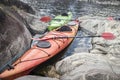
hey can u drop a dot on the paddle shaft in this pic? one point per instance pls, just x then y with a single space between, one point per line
48 18
65 19
62 37
109 18
74 37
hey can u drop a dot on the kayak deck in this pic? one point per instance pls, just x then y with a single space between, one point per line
37 55
59 20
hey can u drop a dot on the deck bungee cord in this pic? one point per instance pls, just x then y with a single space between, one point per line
8 65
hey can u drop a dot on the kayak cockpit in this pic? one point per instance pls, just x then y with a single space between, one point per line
43 44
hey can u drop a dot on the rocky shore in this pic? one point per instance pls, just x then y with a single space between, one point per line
101 62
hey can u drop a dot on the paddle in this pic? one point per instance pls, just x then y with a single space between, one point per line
106 35
45 19
113 18
48 18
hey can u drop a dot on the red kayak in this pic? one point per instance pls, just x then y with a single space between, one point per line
45 48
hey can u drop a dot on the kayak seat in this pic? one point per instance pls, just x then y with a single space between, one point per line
64 28
43 44
64 14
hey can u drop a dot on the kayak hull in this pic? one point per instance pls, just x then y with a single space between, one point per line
36 56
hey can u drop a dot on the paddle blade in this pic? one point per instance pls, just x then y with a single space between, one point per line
108 36
110 18
45 19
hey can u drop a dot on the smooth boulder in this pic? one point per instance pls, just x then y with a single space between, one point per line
15 38
102 61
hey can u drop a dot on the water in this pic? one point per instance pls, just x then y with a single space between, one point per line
79 45
103 8
77 7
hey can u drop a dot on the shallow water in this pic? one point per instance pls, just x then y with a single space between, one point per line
78 8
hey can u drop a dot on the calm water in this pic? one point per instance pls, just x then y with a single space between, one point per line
78 8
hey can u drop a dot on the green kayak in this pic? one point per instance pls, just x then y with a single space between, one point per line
59 20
